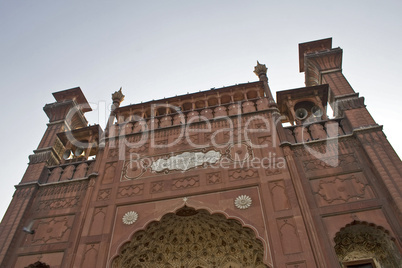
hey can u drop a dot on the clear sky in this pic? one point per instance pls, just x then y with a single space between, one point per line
156 49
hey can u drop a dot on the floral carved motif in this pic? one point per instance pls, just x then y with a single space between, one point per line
243 202
239 152
130 217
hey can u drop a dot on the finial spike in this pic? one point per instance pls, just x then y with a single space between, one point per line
260 69
118 96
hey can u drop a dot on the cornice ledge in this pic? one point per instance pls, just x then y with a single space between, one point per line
365 129
26 184
317 141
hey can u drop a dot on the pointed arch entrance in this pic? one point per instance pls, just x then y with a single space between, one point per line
366 244
192 238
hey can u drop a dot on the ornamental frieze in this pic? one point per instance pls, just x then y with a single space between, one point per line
138 167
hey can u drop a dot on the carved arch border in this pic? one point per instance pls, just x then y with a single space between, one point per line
196 205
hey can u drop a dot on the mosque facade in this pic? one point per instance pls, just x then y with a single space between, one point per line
227 177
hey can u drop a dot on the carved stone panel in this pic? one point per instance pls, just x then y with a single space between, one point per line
184 183
242 174
51 230
239 152
98 220
104 194
131 190
341 189
72 188
188 139
157 187
265 140
335 164
273 171
338 160
214 178
280 199
109 174
289 235
60 203
113 153
90 255
161 143
134 150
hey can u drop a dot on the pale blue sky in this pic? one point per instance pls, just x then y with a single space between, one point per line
156 49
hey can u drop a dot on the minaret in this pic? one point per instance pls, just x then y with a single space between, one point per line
67 113
322 64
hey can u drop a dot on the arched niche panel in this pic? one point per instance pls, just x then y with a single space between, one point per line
192 238
252 94
226 99
238 96
213 101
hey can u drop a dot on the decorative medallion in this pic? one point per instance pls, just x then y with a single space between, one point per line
243 202
130 217
240 152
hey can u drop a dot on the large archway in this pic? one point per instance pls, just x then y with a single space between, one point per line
366 244
192 238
